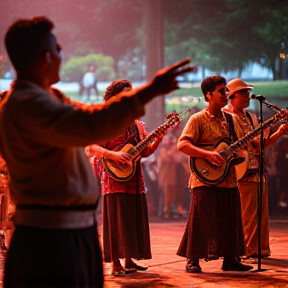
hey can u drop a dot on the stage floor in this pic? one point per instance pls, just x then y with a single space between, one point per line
166 269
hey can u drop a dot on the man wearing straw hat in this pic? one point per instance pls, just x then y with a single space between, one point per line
239 94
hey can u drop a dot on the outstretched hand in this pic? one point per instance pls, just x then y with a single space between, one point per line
165 80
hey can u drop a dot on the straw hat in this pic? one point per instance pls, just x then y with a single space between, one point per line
236 85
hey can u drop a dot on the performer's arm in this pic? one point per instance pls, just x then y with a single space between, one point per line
98 151
283 129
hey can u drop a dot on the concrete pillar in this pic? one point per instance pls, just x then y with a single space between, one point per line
155 111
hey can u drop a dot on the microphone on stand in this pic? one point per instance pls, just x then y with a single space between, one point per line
258 97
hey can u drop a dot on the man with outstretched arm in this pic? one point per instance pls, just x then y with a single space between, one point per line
42 139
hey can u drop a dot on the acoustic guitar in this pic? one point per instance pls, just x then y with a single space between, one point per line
124 171
232 153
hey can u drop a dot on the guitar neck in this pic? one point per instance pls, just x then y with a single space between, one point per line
238 145
135 151
141 146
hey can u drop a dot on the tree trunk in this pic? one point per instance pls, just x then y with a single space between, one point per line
273 65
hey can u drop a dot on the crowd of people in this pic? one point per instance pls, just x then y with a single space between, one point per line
45 138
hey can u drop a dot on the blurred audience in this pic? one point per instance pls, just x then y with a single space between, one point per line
276 167
150 173
171 181
183 193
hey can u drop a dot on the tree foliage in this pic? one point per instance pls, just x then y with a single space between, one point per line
219 34
118 22
228 34
74 69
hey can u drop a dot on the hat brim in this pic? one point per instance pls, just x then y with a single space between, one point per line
231 92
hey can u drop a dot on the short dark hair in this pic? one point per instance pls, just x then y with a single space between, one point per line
26 40
116 87
209 84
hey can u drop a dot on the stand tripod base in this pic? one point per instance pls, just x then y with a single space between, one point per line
261 270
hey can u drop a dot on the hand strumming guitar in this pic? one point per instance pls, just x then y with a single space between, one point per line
216 159
119 156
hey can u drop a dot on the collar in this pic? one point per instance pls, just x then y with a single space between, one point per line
211 116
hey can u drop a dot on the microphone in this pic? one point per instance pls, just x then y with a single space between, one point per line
258 97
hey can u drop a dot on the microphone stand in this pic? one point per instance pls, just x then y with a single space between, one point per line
260 189
262 100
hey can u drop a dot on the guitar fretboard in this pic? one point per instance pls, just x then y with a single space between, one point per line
139 148
235 147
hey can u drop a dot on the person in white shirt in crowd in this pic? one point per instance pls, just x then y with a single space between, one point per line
89 82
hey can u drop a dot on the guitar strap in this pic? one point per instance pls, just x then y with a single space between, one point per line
250 119
232 134
253 167
135 131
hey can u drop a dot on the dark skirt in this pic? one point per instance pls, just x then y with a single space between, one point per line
54 258
125 227
214 227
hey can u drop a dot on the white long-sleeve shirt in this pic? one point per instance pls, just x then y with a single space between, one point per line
42 141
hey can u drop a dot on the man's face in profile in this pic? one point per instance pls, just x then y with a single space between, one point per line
53 56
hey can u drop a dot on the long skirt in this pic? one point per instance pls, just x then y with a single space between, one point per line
214 226
54 258
125 227
249 206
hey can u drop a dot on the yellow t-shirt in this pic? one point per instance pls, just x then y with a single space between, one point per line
205 131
